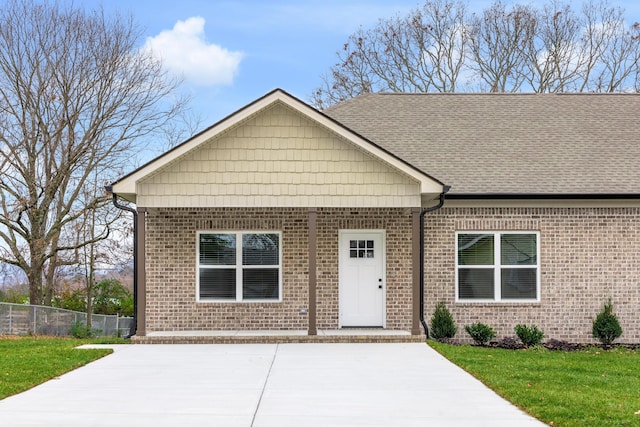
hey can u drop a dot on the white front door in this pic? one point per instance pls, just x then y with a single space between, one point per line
362 278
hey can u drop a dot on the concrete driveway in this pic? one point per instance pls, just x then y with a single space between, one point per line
264 385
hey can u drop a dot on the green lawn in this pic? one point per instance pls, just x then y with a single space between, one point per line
28 361
582 388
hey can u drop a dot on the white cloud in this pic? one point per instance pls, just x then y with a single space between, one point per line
185 51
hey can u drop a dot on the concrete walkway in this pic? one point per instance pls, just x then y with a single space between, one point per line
261 385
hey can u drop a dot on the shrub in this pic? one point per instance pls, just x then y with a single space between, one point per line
442 324
480 333
606 327
111 297
70 299
15 295
529 335
80 330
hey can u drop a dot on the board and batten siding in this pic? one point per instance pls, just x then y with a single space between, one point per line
278 158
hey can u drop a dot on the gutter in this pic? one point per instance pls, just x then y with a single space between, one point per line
114 199
544 196
445 189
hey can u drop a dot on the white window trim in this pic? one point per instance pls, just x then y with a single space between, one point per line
238 266
497 267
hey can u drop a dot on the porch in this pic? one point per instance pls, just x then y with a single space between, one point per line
351 335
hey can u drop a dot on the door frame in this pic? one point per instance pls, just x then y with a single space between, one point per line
383 238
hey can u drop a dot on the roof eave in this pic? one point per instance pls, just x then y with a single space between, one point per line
542 196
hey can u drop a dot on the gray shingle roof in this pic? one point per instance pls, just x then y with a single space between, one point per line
508 143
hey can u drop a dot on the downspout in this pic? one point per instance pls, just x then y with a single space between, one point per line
114 198
445 189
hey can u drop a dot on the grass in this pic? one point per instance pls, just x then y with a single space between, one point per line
564 389
28 361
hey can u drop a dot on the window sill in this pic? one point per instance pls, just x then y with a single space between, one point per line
225 301
502 302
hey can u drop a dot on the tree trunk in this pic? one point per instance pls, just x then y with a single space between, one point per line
90 280
34 276
50 276
89 301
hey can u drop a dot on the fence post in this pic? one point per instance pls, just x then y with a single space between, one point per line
10 319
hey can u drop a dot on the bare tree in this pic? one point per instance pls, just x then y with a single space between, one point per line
618 47
185 124
555 54
422 52
514 48
496 46
88 233
75 95
592 50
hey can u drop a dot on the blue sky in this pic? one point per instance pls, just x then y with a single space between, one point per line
279 43
236 51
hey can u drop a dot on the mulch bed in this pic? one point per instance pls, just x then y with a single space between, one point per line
511 343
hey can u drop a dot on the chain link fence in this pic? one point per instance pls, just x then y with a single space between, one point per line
24 319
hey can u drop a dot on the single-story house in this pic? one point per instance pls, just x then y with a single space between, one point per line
510 208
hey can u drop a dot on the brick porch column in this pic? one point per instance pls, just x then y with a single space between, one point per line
313 214
141 293
415 267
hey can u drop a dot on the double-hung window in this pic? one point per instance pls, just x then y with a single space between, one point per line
239 266
497 266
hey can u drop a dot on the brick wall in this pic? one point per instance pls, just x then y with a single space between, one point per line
171 267
587 255
397 226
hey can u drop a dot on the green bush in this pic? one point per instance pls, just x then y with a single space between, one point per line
442 324
111 297
70 299
529 335
15 295
480 333
606 327
80 330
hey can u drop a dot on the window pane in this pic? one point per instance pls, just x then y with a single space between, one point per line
519 283
260 283
260 249
219 283
476 283
518 249
475 249
218 249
